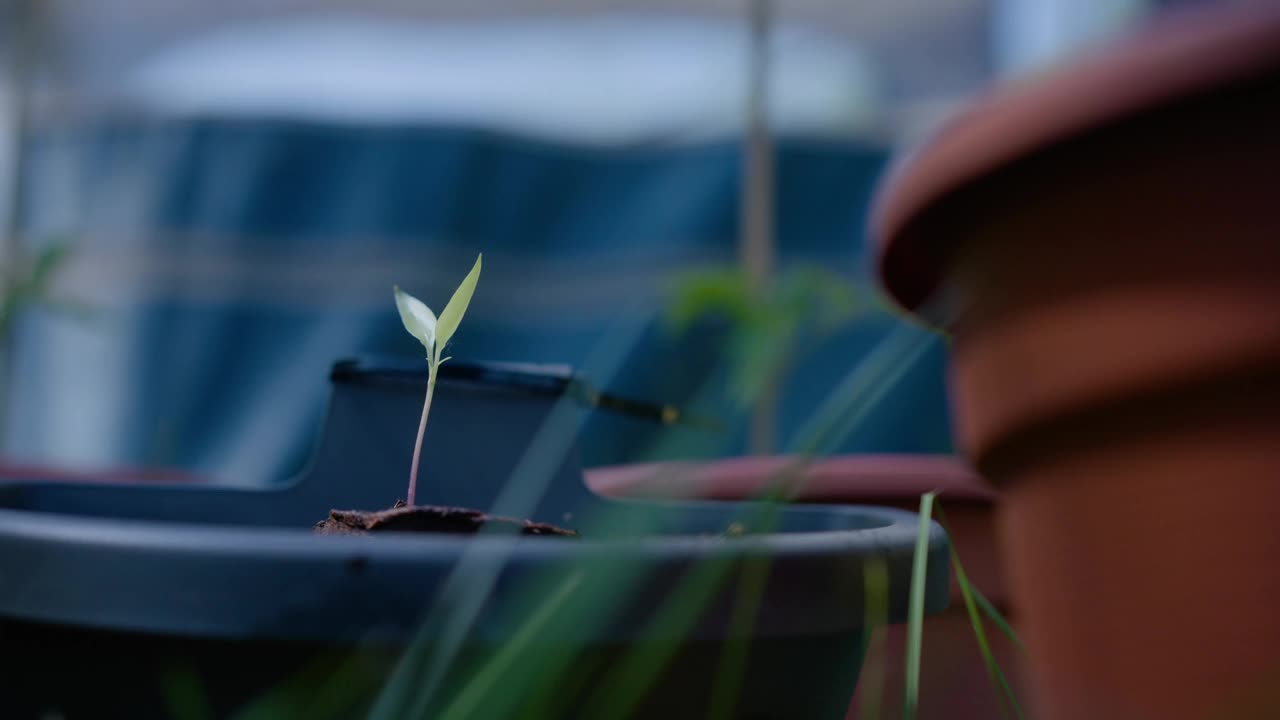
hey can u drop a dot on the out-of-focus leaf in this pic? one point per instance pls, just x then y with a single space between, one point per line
73 309
185 695
723 292
417 318
29 281
42 270
453 311
760 354
820 298
767 323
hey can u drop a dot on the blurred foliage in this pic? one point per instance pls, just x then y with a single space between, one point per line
765 324
28 282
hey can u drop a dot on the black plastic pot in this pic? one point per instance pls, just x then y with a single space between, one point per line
135 601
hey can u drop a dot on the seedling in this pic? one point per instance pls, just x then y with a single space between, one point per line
434 334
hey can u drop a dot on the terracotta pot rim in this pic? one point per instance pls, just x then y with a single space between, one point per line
1181 55
881 478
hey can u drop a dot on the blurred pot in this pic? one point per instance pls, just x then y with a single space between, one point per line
1102 243
147 597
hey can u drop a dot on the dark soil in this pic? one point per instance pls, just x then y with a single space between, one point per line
426 519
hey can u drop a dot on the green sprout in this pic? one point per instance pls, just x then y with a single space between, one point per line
434 333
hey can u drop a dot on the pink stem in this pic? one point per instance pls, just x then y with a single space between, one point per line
422 429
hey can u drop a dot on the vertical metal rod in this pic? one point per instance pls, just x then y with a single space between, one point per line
755 249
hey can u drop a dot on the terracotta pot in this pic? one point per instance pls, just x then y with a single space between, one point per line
1103 243
953 683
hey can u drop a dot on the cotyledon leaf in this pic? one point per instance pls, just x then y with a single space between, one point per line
451 316
417 318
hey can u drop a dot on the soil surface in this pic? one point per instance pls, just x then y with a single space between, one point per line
426 519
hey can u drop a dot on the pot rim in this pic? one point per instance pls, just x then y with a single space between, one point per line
1179 55
859 478
245 582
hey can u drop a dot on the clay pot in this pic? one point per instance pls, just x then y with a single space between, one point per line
1103 243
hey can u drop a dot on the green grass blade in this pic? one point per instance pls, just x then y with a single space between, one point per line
728 682
487 679
325 687
185 696
624 688
875 582
915 609
996 617
993 668
861 390
972 602
852 388
552 675
557 680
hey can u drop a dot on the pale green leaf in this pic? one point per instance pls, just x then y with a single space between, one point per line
417 318
915 607
451 316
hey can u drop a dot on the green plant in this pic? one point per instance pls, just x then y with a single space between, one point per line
434 333
555 615
975 604
606 582
764 323
915 608
762 339
27 282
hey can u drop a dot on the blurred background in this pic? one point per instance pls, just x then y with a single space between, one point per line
206 204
